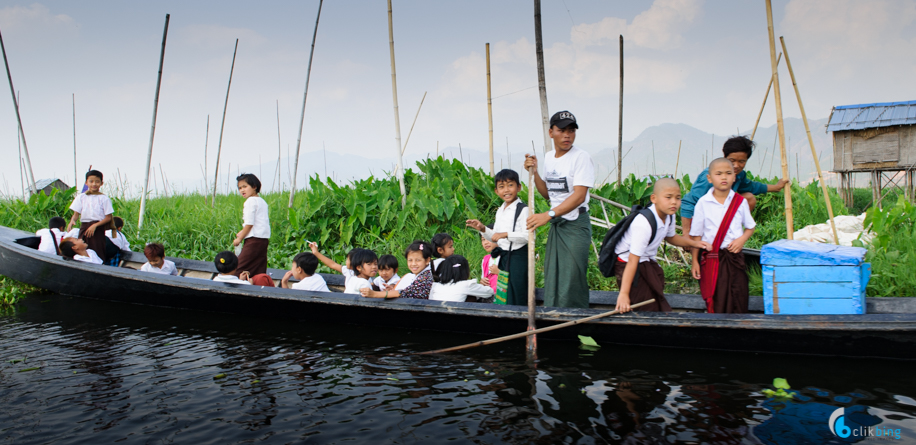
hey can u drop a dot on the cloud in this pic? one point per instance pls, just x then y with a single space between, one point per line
35 25
660 27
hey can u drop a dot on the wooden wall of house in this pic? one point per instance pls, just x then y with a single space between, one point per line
874 148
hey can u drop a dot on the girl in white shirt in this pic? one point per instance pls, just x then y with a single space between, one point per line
365 266
443 247
453 283
77 249
227 265
255 232
156 262
52 236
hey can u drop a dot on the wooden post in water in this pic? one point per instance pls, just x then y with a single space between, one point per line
152 132
490 111
620 121
25 146
531 343
397 117
219 147
74 141
542 82
292 190
790 227
765 96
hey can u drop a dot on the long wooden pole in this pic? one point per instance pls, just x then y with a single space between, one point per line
397 117
531 346
765 96
542 81
206 143
790 227
75 177
25 146
152 132
620 121
292 190
678 161
490 112
532 333
817 163
407 141
219 147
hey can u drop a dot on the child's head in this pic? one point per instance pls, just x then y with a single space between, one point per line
485 242
738 149
387 266
249 185
69 247
57 223
304 265
94 180
454 269
364 262
443 245
507 185
226 262
155 254
418 254
563 128
666 195
721 174
117 222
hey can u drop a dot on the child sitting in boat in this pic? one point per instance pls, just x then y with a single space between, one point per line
415 284
723 219
52 236
303 269
443 247
453 283
77 249
489 266
93 209
365 266
156 262
255 231
116 236
227 264
344 270
387 277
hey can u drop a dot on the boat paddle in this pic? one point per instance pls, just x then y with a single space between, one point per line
533 332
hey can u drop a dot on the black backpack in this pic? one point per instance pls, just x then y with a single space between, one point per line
607 256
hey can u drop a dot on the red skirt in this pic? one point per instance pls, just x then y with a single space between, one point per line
731 294
649 283
253 258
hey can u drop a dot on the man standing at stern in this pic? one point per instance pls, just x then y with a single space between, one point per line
568 175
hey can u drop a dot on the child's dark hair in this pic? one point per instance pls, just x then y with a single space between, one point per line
95 173
439 241
388 262
506 174
423 247
57 223
66 249
117 222
251 180
737 144
226 262
361 257
452 270
307 261
155 250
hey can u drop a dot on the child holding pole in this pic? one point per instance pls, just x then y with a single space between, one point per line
93 210
255 232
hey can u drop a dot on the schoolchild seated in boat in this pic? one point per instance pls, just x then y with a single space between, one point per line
116 235
415 284
365 266
443 247
156 262
227 264
344 269
303 269
387 277
638 274
52 236
452 282
77 249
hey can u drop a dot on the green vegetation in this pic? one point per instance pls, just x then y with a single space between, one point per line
892 253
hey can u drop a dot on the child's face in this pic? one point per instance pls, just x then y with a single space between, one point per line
416 263
721 176
78 244
386 274
156 261
368 270
297 271
668 200
448 250
739 159
563 138
487 244
94 183
246 190
507 190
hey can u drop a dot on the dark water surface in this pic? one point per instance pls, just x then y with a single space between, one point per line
111 372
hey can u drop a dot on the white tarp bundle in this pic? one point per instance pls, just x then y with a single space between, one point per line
848 228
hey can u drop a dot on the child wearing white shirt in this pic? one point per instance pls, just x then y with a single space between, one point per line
77 249
387 277
344 270
453 283
443 247
93 209
116 236
227 264
303 269
156 262
365 266
52 236
255 232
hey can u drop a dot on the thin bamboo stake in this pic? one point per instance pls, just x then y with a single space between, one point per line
74 138
279 154
817 163
542 82
152 132
620 121
292 190
779 123
25 197
490 111
534 332
531 345
765 96
25 146
219 148
678 161
397 118
407 141
206 142
165 185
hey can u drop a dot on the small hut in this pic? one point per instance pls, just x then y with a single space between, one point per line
46 185
877 139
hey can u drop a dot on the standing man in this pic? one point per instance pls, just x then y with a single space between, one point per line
568 175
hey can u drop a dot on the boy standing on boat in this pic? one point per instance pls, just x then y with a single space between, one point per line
93 209
255 232
568 175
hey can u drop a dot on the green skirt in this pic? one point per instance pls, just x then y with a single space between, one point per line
516 263
566 262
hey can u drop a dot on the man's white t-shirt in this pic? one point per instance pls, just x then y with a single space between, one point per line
563 173
313 283
636 239
256 214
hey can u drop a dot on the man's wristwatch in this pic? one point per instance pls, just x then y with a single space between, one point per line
551 213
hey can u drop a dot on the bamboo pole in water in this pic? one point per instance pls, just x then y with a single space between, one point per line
490 111
206 142
531 346
292 189
542 82
620 121
219 147
397 118
25 146
74 139
765 96
407 141
779 123
152 133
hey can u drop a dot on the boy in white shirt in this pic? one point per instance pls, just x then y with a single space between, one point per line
156 262
637 248
52 236
303 269
387 277
255 231
343 269
77 249
115 234
93 209
723 219
510 234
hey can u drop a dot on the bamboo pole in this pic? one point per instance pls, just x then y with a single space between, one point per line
279 153
765 96
206 143
152 132
25 146
779 124
620 121
292 190
219 147
531 345
542 81
817 163
490 111
397 118
407 141
678 161
74 139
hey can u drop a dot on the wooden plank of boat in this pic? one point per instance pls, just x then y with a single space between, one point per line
889 330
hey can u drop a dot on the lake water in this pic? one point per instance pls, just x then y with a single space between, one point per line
111 372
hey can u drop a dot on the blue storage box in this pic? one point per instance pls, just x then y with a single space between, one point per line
801 277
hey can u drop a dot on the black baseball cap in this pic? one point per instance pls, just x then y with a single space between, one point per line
563 119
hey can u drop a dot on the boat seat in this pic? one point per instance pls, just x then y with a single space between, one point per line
197 274
131 265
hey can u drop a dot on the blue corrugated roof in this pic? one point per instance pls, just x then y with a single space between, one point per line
858 117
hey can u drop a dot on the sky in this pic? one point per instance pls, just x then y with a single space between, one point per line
701 63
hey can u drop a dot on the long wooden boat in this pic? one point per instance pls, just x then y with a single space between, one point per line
888 330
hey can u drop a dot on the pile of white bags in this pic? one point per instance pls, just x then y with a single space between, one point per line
848 228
